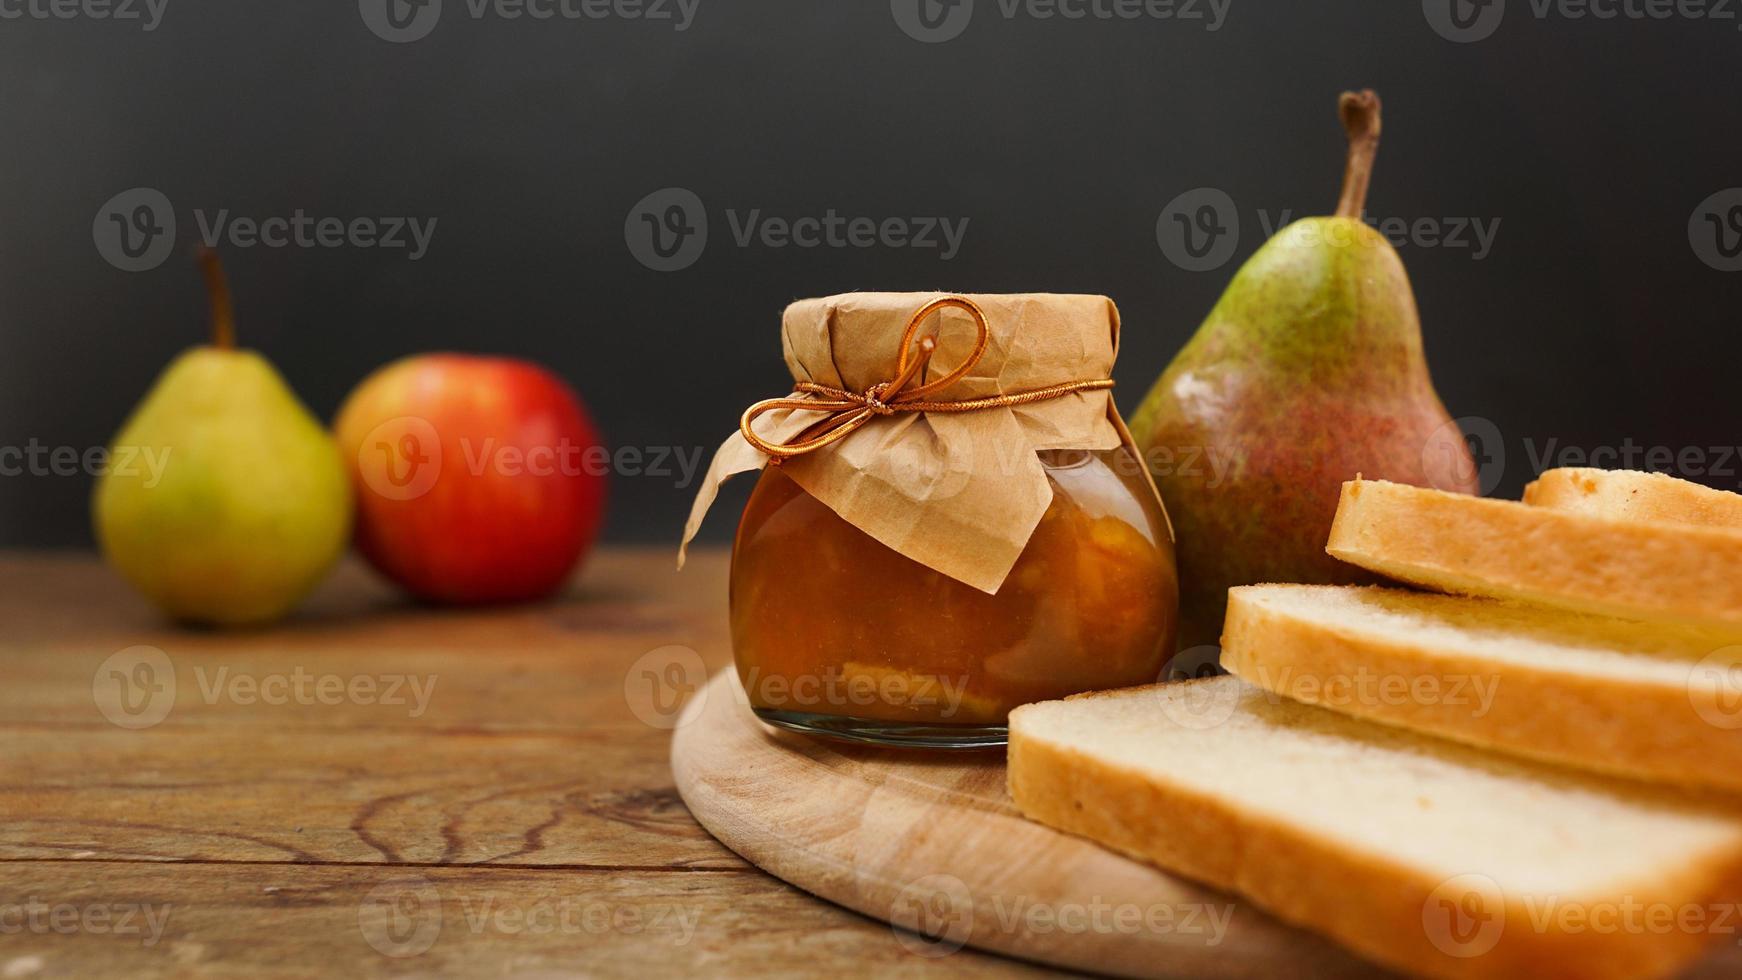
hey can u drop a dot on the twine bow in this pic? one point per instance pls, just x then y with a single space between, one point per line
848 411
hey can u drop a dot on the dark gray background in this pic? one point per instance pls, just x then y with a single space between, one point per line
1592 321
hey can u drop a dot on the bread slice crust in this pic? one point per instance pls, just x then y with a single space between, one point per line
1511 550
1632 699
1375 904
1632 495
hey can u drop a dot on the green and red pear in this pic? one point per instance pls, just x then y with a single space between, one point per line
1308 371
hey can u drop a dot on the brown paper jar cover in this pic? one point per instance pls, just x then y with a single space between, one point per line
960 493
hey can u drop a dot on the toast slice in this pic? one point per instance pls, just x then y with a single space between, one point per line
1630 495
1654 701
1509 550
1421 854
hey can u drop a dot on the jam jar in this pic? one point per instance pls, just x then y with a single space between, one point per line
951 520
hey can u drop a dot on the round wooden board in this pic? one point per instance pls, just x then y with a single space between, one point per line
932 840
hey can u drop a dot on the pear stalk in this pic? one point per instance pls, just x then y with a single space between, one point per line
218 294
1360 112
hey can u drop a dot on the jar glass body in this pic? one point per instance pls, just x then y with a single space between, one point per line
835 633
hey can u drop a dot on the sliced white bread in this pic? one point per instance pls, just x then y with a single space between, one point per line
1421 854
1510 550
1630 495
1654 701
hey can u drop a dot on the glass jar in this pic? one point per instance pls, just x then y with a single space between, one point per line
951 519
835 633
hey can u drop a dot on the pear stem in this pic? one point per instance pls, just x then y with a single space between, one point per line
218 293
1360 112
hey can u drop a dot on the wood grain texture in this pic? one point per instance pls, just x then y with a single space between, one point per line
529 803
314 921
932 840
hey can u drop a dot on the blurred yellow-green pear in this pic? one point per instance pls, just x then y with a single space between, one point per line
246 504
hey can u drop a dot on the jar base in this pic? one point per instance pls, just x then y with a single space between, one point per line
896 734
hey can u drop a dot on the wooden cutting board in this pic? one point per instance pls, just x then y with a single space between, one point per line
932 841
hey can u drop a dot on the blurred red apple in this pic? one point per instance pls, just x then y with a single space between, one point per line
478 479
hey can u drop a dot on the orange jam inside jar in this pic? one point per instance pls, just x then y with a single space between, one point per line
835 633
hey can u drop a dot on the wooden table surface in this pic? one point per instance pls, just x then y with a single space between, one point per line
380 789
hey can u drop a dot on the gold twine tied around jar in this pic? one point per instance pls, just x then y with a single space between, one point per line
849 411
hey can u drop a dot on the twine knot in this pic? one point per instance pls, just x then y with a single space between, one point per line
874 399
847 411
